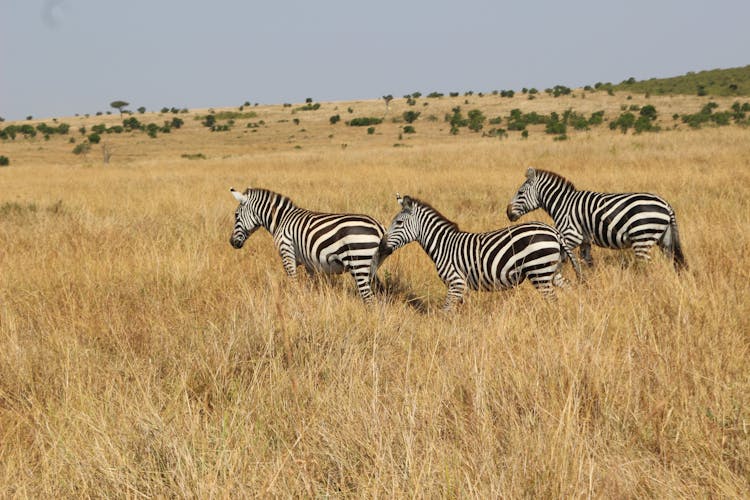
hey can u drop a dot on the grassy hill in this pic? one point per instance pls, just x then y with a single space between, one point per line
715 82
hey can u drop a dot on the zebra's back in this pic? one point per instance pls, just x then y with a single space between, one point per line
333 243
506 257
618 220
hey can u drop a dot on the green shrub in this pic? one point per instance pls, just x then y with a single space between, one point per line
94 138
82 148
4 161
476 120
152 129
649 112
555 126
496 132
370 130
409 129
132 123
644 124
456 120
209 121
597 118
411 116
193 156
334 119
308 107
365 121
623 122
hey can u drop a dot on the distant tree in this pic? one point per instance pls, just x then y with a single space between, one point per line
118 105
387 98
142 109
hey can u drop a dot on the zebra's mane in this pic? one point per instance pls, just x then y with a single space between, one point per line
268 193
557 177
436 212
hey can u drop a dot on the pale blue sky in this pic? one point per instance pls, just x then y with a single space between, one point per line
61 57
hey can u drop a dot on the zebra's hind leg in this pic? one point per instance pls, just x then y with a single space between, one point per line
642 249
363 285
559 280
544 283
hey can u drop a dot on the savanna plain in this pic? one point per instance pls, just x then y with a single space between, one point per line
141 355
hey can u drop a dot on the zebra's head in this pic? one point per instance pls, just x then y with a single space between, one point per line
404 228
246 219
526 199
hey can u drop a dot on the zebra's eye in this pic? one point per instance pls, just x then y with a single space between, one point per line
399 223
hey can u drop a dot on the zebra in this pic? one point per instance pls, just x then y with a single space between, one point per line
326 243
609 220
488 261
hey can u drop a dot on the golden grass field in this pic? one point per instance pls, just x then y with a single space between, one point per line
141 355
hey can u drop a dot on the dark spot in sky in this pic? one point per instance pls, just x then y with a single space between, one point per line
52 13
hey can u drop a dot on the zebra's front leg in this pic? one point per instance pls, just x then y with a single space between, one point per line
585 252
289 261
456 290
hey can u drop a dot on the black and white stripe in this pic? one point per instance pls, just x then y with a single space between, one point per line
323 243
610 220
480 261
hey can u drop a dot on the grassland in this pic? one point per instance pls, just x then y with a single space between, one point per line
140 355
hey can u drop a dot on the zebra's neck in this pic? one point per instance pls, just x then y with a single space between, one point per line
274 209
554 195
434 230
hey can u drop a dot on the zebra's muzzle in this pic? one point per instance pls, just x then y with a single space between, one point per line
511 214
236 242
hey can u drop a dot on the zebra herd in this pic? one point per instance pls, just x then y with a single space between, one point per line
495 260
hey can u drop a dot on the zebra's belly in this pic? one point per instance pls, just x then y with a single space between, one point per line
496 283
332 266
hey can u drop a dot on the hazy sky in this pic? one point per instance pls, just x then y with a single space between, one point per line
61 57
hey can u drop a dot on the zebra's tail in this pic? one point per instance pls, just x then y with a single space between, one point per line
573 260
670 244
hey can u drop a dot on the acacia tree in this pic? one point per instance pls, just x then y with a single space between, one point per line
387 98
118 105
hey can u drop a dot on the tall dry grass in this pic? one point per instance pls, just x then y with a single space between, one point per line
140 355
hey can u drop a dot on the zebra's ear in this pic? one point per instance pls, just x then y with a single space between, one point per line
530 173
238 196
399 199
406 203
